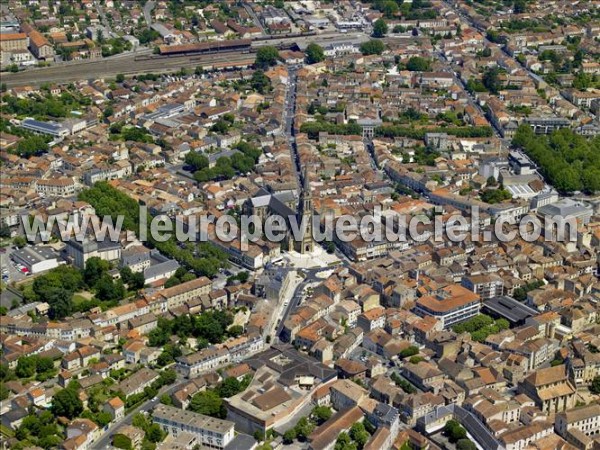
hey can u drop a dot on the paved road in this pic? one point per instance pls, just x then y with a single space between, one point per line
255 18
105 441
148 7
105 21
310 278
8 266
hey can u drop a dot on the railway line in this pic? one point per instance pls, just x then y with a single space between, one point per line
207 56
127 66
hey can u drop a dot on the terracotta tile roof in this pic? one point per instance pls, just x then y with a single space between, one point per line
12 36
38 39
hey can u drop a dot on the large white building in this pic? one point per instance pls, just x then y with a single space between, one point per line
211 432
203 360
579 426
451 305
36 259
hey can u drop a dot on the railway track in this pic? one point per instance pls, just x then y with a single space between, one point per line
127 66
136 63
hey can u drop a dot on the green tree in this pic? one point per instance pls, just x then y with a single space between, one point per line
19 241
418 64
582 81
409 351
60 301
229 387
303 429
66 403
266 56
31 145
135 280
520 6
208 403
43 364
344 442
390 9
122 441
289 436
416 359
359 434
372 47
491 80
140 421
321 414
95 268
314 53
595 386
260 82
165 399
120 78
454 431
380 28
465 444
26 367
196 160
155 433
235 330
108 289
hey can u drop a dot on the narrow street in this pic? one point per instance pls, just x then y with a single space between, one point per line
255 18
105 21
288 123
148 7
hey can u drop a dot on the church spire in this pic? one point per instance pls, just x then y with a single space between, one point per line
305 182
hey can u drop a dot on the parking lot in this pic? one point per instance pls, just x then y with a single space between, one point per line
10 271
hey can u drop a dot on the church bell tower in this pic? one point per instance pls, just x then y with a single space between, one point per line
305 216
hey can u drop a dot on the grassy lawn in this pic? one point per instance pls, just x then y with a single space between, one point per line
80 297
6 431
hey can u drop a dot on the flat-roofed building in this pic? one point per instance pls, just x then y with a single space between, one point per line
36 259
81 251
451 305
283 385
486 286
567 208
212 432
503 307
51 128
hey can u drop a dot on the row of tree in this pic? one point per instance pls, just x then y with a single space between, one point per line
568 161
419 133
481 326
